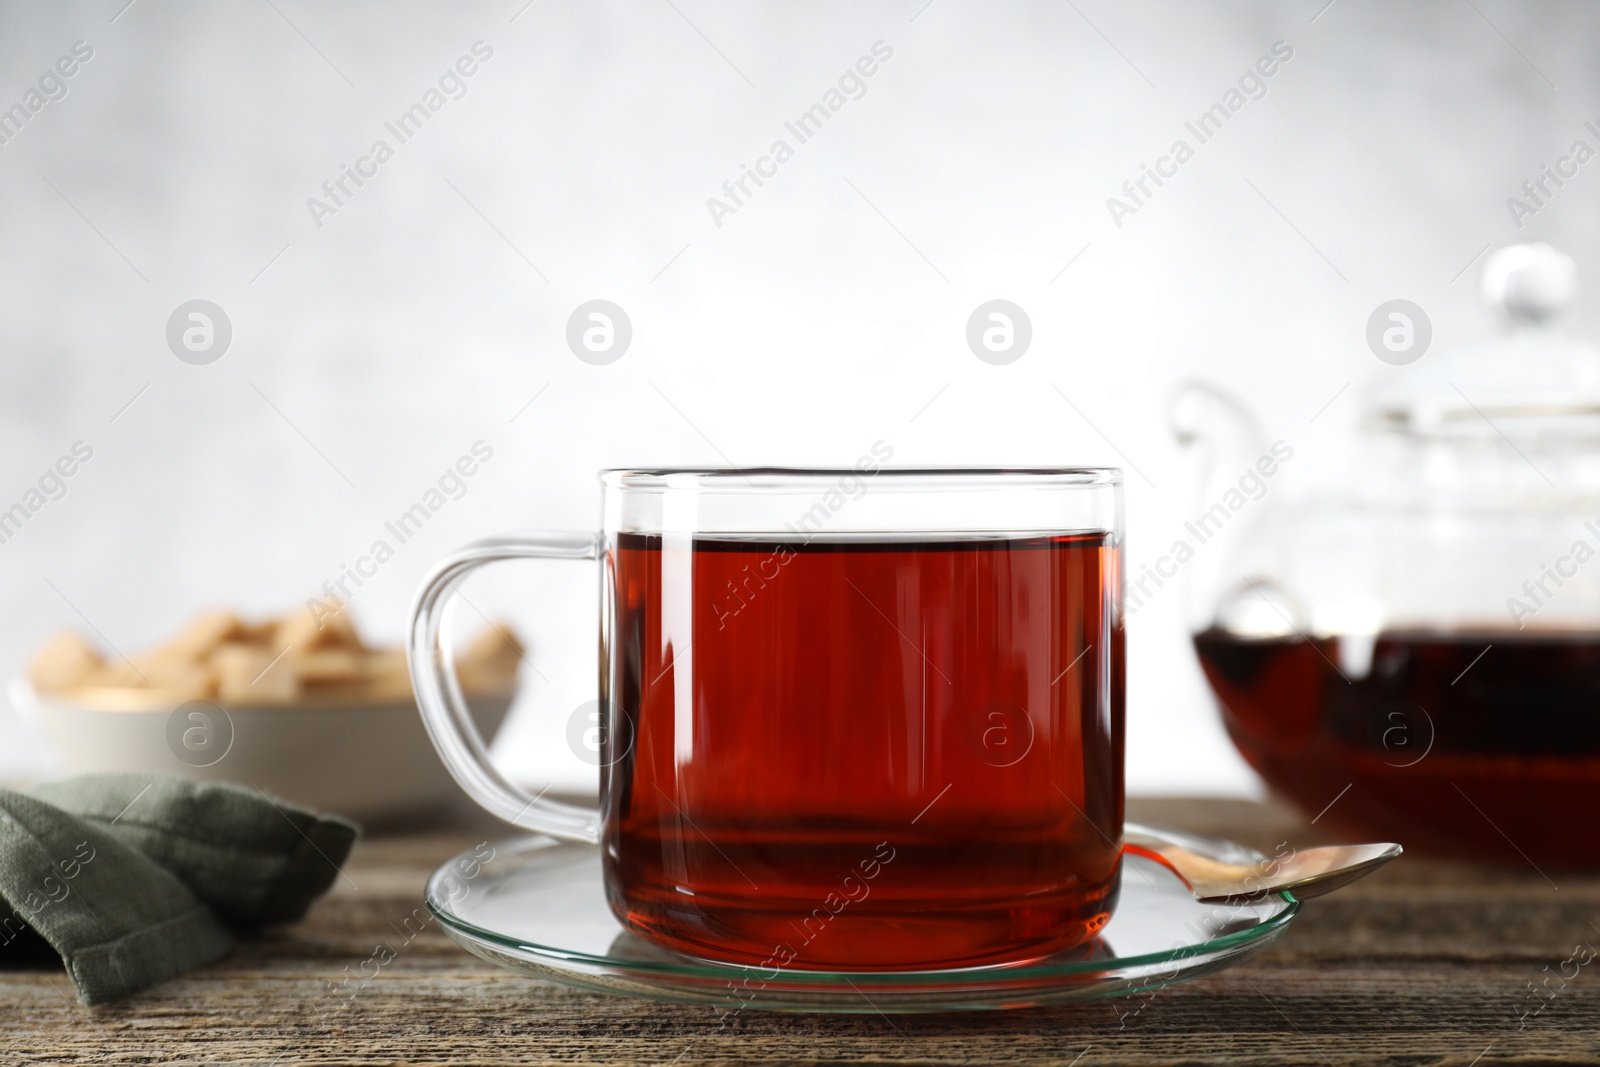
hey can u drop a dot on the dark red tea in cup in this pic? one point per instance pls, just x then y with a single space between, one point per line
873 752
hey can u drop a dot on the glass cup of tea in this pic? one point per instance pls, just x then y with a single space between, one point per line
865 718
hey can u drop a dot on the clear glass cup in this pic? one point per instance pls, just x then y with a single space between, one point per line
864 718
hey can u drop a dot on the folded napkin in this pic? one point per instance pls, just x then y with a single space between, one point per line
136 878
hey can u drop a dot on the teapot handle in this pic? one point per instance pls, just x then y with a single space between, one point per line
1209 416
1236 530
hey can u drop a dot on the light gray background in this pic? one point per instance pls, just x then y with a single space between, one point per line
821 317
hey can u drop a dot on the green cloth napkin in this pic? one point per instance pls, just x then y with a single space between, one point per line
253 859
133 879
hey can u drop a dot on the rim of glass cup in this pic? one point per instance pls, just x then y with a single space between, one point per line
745 479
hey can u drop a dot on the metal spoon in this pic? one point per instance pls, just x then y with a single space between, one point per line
1220 873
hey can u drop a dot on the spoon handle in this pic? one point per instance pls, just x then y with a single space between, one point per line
1218 871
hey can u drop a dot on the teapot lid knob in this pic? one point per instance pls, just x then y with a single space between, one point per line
1529 283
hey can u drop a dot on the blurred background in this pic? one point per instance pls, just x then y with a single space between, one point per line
377 337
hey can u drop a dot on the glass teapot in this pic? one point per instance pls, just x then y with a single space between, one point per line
1417 656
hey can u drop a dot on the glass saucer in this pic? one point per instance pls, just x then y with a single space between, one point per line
538 907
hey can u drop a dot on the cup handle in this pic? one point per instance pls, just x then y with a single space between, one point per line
444 709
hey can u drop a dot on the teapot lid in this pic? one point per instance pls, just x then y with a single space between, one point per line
1530 381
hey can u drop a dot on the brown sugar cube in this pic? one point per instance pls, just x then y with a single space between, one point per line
183 678
490 661
496 648
296 629
339 631
259 633
66 661
204 633
197 684
387 676
330 667
247 674
120 674
331 626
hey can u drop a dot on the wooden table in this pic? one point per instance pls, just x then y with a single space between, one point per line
1423 963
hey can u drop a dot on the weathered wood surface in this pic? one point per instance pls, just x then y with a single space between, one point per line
1423 963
